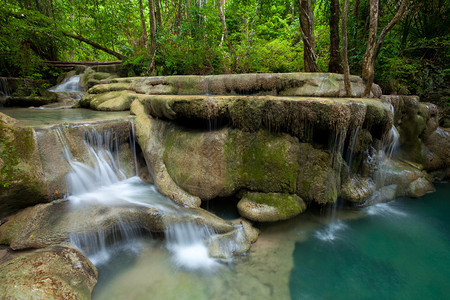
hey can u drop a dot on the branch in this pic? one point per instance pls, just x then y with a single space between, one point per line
95 45
389 26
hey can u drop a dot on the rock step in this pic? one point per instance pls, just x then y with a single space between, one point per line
276 113
279 84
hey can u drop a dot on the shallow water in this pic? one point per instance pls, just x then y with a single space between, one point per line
398 250
42 117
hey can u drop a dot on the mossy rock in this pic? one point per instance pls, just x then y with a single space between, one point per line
317 180
59 272
21 176
109 101
108 87
270 207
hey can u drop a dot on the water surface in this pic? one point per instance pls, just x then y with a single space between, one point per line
398 250
42 117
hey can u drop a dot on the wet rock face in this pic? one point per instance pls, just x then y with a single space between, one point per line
32 162
421 140
21 175
188 162
60 272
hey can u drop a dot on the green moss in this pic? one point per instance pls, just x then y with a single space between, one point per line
247 113
286 204
262 161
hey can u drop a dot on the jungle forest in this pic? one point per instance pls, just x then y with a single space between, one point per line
401 45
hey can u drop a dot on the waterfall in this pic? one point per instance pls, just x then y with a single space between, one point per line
99 247
69 85
187 243
382 159
102 148
4 88
103 183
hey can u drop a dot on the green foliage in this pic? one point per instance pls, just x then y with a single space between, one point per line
264 37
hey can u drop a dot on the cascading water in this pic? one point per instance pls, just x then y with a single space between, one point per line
187 242
382 159
103 183
337 150
4 87
69 85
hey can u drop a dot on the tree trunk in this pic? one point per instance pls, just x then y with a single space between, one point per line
374 46
368 66
95 45
158 12
144 28
151 12
307 31
225 33
334 65
348 87
152 18
178 17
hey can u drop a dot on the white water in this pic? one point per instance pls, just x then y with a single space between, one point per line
103 183
384 209
187 243
69 85
331 231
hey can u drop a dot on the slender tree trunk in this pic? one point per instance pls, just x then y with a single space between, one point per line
152 18
151 12
356 13
368 67
178 17
158 12
374 46
144 28
225 33
348 87
334 65
307 31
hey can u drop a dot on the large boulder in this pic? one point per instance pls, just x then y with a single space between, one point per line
21 175
270 207
58 272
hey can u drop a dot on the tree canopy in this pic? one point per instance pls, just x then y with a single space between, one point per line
226 36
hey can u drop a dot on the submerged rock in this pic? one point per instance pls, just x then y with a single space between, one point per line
58 272
270 207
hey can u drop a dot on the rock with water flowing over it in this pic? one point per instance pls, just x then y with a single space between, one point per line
58 272
270 207
218 163
411 181
51 224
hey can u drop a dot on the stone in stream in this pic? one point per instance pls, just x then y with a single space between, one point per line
58 272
